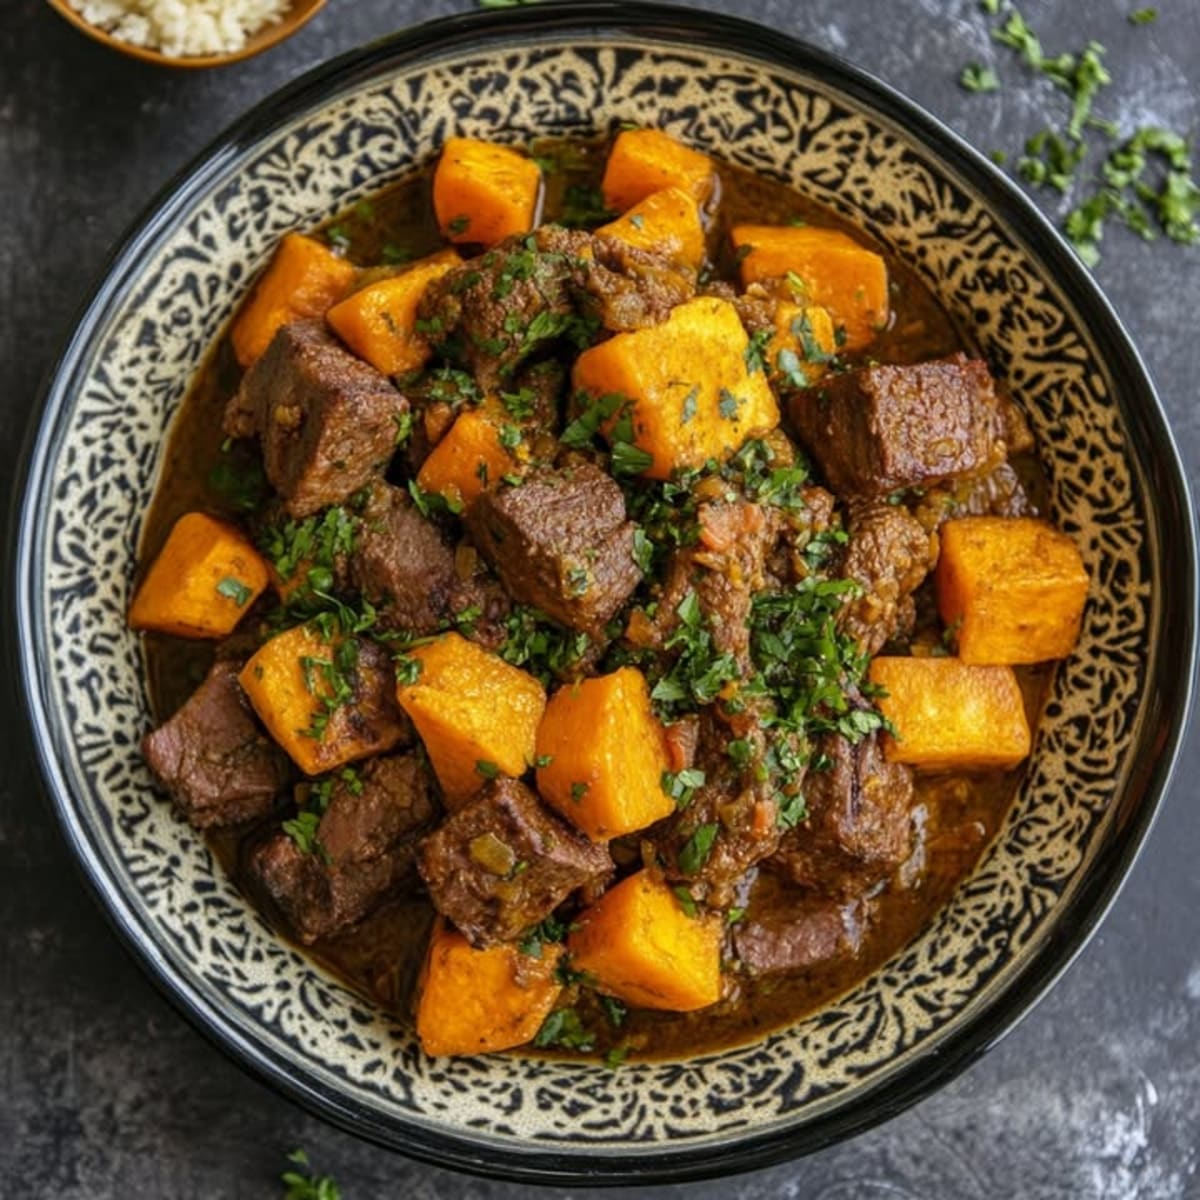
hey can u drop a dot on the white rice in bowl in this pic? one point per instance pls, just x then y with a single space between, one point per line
183 28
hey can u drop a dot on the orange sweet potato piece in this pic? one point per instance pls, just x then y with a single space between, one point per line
607 754
478 1001
1013 589
640 946
951 716
203 581
483 193
303 280
470 708
804 340
378 322
643 161
692 393
838 274
469 459
666 223
325 702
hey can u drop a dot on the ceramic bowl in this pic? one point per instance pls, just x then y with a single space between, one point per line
1103 750
297 16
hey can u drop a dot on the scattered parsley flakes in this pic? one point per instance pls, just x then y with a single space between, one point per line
688 409
686 901
628 459
1143 16
564 1028
308 1186
486 768
579 790
681 785
235 590
977 78
697 848
458 225
643 551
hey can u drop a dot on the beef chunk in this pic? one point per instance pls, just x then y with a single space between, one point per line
495 310
627 288
889 553
999 493
326 419
724 570
799 935
560 541
742 810
859 826
363 851
212 756
405 566
882 428
504 862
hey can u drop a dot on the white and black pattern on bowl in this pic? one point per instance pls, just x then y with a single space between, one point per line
112 406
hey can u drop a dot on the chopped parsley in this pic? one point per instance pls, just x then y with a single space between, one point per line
579 790
699 671
643 551
486 768
688 409
458 225
686 901
550 930
755 353
235 590
696 850
978 78
541 646
1054 157
583 206
564 1028
728 404
681 785
309 1186
628 459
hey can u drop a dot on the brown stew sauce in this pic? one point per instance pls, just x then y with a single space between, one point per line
381 957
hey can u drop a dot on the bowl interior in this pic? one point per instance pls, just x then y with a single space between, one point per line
744 94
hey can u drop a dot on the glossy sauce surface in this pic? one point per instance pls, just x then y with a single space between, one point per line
381 957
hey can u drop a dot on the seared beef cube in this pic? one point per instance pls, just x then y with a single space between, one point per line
326 419
628 288
504 862
725 570
214 758
999 493
789 937
882 428
404 565
560 541
859 825
743 810
363 851
495 310
889 554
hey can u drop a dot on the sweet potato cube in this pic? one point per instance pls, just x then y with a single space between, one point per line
469 459
1012 588
203 581
644 161
303 280
483 193
838 274
666 223
691 393
639 945
379 322
476 714
803 342
325 702
950 716
479 1001
607 753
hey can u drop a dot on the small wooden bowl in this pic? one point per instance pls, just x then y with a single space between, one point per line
300 13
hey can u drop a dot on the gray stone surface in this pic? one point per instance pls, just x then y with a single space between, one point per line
107 1093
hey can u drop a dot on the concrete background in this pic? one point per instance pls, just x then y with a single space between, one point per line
105 1092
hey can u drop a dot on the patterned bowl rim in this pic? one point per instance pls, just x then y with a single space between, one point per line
1170 525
